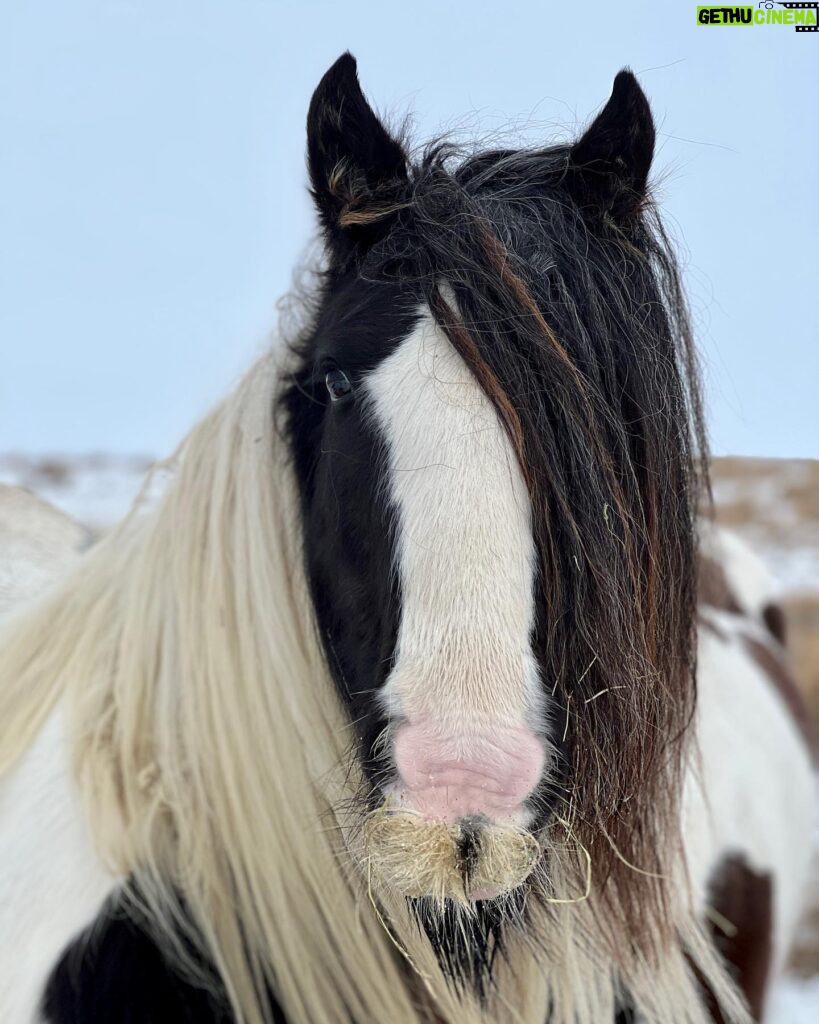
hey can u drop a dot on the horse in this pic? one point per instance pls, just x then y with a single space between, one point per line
424 688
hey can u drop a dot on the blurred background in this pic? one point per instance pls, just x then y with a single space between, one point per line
153 209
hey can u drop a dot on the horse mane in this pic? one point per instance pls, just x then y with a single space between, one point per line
209 744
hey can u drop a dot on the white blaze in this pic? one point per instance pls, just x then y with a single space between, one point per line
464 543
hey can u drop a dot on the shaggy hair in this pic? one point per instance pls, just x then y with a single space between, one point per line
574 323
209 743
581 339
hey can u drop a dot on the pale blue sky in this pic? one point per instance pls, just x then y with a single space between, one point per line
152 199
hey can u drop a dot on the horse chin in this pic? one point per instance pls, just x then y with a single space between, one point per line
466 862
468 940
465 882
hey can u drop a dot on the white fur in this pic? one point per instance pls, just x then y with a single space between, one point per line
51 882
748 578
465 551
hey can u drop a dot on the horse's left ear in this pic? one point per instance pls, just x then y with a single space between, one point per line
358 171
609 165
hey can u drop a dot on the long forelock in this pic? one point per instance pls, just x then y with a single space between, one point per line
577 330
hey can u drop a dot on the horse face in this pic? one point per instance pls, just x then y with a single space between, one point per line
420 555
423 562
417 524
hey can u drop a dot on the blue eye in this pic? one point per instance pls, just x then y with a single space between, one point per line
338 384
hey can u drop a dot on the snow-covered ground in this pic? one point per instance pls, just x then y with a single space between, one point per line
95 489
795 1001
773 503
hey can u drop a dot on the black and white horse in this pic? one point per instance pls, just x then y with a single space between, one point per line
385 709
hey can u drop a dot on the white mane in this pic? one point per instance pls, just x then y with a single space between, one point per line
213 758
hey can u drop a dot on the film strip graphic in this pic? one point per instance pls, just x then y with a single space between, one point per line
801 7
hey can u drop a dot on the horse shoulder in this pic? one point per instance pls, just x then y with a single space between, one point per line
38 544
52 884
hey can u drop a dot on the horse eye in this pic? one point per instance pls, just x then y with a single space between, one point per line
338 384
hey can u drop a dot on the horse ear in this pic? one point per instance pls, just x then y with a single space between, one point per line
358 171
609 164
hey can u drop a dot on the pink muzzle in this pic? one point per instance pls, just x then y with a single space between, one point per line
480 772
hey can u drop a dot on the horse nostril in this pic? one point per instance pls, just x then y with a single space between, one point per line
468 777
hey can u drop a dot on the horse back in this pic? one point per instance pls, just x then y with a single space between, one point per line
750 794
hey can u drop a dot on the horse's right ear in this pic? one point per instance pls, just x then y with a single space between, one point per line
609 164
358 171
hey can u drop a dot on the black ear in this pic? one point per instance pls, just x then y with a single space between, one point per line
358 171
609 165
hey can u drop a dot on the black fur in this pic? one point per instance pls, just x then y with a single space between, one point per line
353 160
346 519
115 973
610 163
466 945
